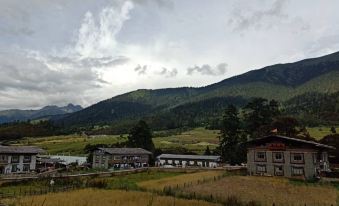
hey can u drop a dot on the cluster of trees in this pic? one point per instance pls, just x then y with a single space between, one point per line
17 130
258 118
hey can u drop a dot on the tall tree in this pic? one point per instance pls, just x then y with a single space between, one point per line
207 151
258 115
141 136
230 138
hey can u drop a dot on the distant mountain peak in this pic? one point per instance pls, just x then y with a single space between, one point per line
50 110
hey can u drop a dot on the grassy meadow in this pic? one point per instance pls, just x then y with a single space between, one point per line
268 190
195 140
89 197
179 181
319 132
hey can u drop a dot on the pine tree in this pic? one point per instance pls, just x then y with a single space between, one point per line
141 136
207 151
231 137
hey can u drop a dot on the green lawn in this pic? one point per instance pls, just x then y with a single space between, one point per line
319 132
195 140
70 144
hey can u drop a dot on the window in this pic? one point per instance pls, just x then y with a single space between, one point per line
260 156
278 170
117 157
15 159
261 168
297 171
27 158
3 158
97 158
26 168
278 157
15 168
297 158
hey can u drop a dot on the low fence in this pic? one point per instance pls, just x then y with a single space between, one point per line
18 178
30 191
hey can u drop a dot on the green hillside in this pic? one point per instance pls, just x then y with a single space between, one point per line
169 108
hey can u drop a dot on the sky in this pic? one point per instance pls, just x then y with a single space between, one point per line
84 51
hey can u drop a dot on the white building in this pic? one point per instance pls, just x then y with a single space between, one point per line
18 159
188 160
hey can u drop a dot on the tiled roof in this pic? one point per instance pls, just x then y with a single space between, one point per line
20 150
130 151
191 157
316 144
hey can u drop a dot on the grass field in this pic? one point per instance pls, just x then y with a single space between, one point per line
70 144
319 132
195 140
179 181
267 190
90 197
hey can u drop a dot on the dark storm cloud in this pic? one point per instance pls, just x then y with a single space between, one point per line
206 69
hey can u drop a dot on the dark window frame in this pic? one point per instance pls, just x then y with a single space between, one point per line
260 165
292 154
256 159
16 161
278 161
282 169
27 160
294 167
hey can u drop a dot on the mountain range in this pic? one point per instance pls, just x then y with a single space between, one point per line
282 82
43 113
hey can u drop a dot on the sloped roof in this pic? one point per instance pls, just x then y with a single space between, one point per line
192 157
315 144
20 150
129 151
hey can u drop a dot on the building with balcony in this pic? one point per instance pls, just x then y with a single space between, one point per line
178 160
18 159
115 158
285 156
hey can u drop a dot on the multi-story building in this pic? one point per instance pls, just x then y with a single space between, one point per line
285 156
18 159
114 158
188 160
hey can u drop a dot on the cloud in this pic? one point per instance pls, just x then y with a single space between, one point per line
96 38
141 70
168 73
23 74
206 69
257 18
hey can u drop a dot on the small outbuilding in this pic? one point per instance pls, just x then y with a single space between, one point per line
178 160
276 155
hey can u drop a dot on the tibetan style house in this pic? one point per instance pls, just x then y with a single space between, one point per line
18 159
285 156
115 158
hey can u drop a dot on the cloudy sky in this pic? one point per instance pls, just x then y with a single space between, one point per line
84 51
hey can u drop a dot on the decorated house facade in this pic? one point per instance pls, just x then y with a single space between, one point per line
285 156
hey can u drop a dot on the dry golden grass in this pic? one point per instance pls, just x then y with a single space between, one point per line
90 197
267 191
179 180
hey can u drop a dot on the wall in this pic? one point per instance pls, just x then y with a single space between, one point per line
309 164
